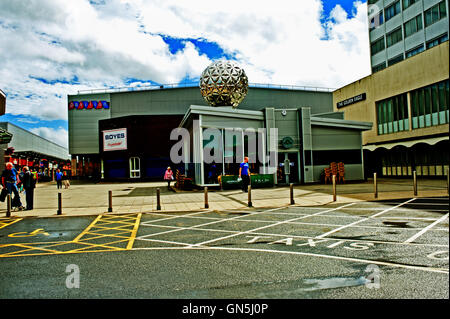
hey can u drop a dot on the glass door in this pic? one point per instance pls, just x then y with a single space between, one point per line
287 174
135 167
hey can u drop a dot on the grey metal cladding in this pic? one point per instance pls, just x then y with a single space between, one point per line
324 138
83 124
24 140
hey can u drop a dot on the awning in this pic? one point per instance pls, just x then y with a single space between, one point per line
429 141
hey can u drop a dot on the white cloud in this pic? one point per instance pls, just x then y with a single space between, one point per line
102 44
58 136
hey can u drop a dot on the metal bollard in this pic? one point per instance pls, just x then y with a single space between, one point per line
158 199
8 205
292 193
59 211
415 183
375 185
334 188
206 197
110 202
250 196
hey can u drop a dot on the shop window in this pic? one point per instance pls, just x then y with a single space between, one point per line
233 151
135 167
392 115
344 156
429 105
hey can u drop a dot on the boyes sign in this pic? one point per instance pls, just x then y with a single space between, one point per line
218 144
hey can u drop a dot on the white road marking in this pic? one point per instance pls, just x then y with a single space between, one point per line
364 261
305 223
293 236
351 240
423 231
333 216
436 253
267 226
165 241
361 220
171 217
205 224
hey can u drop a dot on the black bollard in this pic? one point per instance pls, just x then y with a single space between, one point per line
292 194
158 199
110 202
59 211
206 197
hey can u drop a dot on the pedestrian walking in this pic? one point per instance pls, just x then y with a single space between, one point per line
244 174
66 181
10 179
58 176
168 176
29 183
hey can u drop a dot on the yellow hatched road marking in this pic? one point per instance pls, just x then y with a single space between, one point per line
133 234
8 222
119 235
89 245
87 229
117 228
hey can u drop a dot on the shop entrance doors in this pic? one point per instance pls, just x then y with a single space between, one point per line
288 168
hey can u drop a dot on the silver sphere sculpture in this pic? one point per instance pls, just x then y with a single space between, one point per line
224 83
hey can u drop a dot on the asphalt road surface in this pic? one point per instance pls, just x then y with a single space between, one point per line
365 250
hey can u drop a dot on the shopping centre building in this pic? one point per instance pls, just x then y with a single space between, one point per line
124 134
24 148
394 121
33 151
407 101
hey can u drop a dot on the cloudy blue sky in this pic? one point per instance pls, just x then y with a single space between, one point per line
52 48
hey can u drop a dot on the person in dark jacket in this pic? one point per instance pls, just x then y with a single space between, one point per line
29 183
10 179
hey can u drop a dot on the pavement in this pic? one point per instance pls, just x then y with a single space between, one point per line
83 199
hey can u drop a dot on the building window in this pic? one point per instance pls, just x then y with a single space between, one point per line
392 114
413 25
435 13
394 37
395 60
372 1
392 10
415 51
437 41
429 105
379 67
376 20
135 167
408 3
377 46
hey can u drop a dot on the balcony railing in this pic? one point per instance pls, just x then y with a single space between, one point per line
196 84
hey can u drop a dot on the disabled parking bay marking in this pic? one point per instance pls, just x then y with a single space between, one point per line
35 232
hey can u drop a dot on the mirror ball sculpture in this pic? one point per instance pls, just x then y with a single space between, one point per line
224 83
